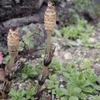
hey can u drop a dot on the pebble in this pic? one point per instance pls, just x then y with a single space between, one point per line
17 1
97 70
20 86
63 4
98 37
56 53
92 40
90 98
61 79
68 56
61 86
79 42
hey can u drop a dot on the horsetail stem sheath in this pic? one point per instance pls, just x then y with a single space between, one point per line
49 24
13 46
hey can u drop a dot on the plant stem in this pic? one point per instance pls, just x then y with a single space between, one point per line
48 42
45 68
11 63
44 71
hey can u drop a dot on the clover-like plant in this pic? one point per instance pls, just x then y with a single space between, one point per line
27 72
81 30
17 95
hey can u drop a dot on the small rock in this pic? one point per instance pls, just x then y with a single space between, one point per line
63 4
79 42
93 34
90 98
56 49
61 86
98 37
92 40
68 56
17 1
61 79
97 70
21 86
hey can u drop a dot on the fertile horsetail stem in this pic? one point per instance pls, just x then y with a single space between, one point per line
13 45
49 23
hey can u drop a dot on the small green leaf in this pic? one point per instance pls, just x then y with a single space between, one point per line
5 60
53 91
21 92
28 39
22 99
72 43
64 43
96 97
88 89
64 91
73 98
71 10
96 87
53 39
35 29
76 90
81 76
83 96
4 50
64 98
21 46
24 76
86 83
57 32
27 30
31 91
12 93
28 96
12 98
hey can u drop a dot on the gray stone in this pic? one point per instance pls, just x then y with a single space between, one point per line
97 70
92 40
79 42
68 56
16 8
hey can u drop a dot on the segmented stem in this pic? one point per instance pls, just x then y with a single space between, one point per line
11 63
48 42
49 23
